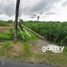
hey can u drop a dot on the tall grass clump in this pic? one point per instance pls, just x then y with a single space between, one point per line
53 31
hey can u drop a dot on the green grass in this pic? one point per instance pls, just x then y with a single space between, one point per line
4 36
26 51
52 31
26 54
4 48
27 38
7 35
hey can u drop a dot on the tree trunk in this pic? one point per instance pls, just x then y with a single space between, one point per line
38 18
16 20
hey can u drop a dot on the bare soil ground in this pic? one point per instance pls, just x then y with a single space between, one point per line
5 29
37 45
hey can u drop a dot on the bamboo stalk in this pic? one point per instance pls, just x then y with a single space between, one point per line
33 31
26 32
21 32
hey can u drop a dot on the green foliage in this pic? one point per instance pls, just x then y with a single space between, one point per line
4 36
6 23
2 23
26 51
27 38
52 31
7 36
4 49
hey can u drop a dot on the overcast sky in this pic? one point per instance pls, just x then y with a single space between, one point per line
48 10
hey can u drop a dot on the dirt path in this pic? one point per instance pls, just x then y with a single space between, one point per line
5 29
37 45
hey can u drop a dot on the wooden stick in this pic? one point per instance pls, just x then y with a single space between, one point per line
21 32
33 31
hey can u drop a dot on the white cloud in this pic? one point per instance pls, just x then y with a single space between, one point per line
60 12
4 17
27 7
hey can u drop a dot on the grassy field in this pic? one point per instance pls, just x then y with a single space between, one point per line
27 50
53 31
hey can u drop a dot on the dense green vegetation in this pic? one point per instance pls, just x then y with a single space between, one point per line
52 31
28 50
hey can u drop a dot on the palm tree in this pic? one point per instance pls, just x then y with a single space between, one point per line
37 16
16 20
